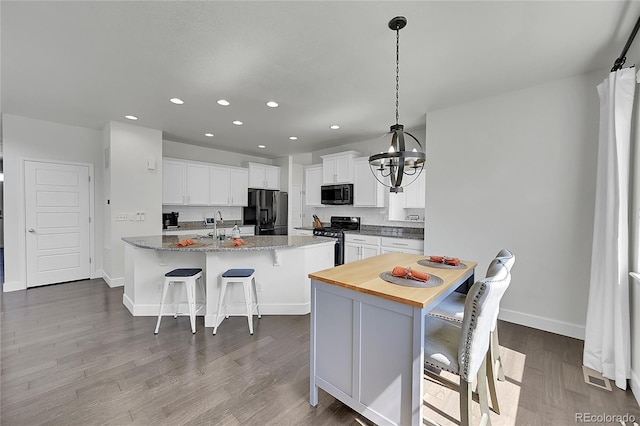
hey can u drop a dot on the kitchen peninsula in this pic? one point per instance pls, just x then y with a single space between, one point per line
282 265
367 335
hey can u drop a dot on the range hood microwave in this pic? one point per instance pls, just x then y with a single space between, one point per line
337 194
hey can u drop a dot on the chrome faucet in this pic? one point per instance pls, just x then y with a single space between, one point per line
215 224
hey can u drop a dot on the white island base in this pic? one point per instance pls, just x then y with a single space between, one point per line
281 277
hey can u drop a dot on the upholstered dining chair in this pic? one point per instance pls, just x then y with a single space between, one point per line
452 309
464 349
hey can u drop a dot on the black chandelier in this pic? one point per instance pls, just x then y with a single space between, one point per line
391 166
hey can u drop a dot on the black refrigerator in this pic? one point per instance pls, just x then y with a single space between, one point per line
267 210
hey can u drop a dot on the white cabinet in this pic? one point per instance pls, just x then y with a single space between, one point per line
414 194
220 185
247 231
367 191
174 178
312 184
359 247
203 184
198 184
263 176
239 185
338 168
403 245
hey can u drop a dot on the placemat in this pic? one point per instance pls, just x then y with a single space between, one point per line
434 280
194 245
427 262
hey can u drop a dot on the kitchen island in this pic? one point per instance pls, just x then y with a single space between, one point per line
367 335
282 265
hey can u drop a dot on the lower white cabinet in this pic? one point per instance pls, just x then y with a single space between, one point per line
359 247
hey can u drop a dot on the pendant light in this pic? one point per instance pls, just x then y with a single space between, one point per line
402 162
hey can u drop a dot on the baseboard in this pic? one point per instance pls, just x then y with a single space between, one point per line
8 286
563 328
128 303
635 385
98 274
113 282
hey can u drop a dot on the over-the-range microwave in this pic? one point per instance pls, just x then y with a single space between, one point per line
337 194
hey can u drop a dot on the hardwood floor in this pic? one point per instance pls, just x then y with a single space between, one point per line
73 354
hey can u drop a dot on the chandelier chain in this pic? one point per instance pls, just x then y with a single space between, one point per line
397 72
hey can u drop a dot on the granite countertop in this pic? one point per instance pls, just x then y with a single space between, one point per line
208 244
390 231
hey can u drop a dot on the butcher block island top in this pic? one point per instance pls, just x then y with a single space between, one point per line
364 276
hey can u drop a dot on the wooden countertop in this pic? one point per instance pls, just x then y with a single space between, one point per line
363 276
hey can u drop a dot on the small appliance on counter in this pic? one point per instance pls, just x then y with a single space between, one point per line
170 220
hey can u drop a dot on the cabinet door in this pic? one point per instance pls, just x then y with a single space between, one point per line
220 184
272 177
368 192
198 184
369 251
257 175
173 182
312 184
351 252
239 186
415 193
329 170
344 169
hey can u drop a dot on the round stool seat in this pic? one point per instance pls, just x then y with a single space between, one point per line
238 273
183 272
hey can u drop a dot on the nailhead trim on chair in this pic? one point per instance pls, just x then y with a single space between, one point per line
464 358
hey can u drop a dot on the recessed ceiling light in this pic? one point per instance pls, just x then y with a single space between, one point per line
238 123
335 127
293 138
177 101
261 146
272 104
223 102
209 135
130 117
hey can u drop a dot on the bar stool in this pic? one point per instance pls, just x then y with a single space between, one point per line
248 280
188 277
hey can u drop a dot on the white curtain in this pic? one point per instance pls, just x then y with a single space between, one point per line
607 334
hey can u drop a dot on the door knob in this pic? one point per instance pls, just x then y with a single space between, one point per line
32 230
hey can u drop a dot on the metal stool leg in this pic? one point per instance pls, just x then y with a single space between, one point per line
255 292
223 291
190 288
246 285
165 288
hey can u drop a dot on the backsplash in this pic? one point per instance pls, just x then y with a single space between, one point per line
368 215
196 213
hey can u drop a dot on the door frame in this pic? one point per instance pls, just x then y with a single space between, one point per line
23 222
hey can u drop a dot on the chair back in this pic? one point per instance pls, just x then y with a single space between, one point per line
480 309
507 258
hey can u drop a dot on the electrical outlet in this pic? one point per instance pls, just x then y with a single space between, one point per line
122 217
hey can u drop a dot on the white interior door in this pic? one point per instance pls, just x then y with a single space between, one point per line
57 222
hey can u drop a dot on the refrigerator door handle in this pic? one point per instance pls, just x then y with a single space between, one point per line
275 208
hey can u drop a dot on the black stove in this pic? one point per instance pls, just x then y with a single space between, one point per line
339 224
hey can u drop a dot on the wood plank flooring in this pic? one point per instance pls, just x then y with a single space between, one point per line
71 354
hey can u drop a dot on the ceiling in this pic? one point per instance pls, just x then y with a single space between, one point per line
88 63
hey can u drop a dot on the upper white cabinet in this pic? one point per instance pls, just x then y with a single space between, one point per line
198 184
338 168
263 176
203 184
239 185
174 179
312 184
367 191
414 194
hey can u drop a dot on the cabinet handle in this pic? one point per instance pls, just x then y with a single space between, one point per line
400 244
358 239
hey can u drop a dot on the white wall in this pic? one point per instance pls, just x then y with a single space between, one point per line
209 155
133 187
518 170
27 138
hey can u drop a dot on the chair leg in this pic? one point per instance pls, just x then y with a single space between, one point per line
190 289
255 292
482 394
165 287
495 349
466 398
247 300
491 378
223 290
